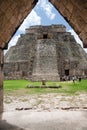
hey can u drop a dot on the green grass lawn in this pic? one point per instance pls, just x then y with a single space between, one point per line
20 86
15 84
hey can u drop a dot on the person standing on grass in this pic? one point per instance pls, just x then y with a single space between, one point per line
79 79
73 79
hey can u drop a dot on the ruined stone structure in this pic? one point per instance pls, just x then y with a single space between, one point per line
12 14
45 52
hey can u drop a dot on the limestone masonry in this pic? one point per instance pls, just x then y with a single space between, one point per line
45 52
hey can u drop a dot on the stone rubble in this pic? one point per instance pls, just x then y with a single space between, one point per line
46 102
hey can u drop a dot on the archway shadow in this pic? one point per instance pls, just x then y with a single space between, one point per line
4 125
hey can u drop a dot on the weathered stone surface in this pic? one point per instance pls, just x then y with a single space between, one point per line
75 12
1 81
45 52
12 14
45 64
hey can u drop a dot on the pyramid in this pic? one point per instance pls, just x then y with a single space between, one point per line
45 52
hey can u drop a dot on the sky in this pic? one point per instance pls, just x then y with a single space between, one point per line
42 14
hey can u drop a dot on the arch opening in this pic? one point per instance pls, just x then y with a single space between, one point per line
45 37
5 38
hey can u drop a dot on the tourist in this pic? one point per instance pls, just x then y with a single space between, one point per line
79 79
73 79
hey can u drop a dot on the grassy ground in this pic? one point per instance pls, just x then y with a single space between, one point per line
20 86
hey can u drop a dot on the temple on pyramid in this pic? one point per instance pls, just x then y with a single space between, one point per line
45 52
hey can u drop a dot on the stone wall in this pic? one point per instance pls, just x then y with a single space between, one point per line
23 51
1 80
45 63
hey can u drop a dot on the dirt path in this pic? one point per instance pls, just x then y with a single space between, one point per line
45 102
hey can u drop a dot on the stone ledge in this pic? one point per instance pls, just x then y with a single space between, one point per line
43 86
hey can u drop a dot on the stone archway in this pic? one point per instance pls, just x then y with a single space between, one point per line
75 13
12 14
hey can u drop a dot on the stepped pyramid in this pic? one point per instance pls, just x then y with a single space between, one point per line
45 52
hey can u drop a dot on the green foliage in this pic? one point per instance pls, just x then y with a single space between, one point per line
67 87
